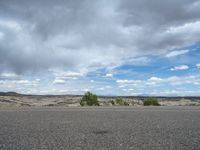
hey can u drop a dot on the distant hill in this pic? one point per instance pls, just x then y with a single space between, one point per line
10 94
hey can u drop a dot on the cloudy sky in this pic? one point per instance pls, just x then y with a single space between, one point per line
109 47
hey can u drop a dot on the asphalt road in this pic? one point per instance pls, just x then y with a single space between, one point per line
148 128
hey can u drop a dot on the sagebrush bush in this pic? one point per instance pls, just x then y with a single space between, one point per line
89 99
121 102
126 103
151 102
112 102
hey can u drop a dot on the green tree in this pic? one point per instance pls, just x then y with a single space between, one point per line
89 99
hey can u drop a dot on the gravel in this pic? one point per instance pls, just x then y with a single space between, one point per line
148 128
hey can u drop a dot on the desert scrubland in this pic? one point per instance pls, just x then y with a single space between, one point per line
18 100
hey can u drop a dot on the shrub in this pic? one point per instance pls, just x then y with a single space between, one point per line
126 103
89 99
51 105
121 102
112 102
151 101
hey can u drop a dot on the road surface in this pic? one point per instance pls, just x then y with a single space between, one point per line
117 128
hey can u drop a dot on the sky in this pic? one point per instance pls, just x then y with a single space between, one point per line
108 47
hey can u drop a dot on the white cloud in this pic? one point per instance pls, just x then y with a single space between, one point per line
181 67
22 82
155 79
62 76
10 24
176 53
101 88
70 75
86 90
59 81
198 66
134 82
8 75
139 83
19 82
109 75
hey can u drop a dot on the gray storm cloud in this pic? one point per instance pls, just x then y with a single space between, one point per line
39 35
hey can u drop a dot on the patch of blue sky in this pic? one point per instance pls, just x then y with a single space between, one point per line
161 66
